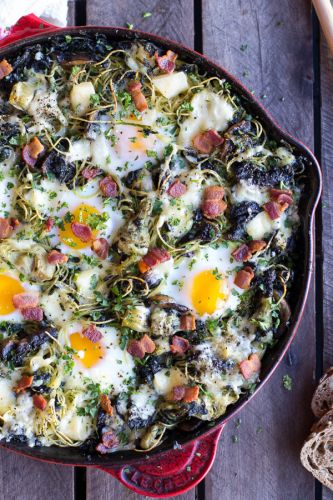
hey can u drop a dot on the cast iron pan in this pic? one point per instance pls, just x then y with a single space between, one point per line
181 461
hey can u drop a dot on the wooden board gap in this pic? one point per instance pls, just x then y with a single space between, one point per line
80 13
80 483
197 12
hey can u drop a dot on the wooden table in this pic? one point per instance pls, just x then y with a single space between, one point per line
276 48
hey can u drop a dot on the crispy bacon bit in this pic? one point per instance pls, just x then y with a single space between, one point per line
5 228
32 313
152 258
273 209
81 231
187 322
106 404
206 142
184 394
242 253
250 366
49 223
148 344
101 247
177 393
31 151
39 402
108 187
257 245
91 172
24 383
281 196
5 68
25 299
109 439
139 348
177 189
244 277
92 333
140 102
191 394
213 204
166 63
55 257
179 345
14 223
136 349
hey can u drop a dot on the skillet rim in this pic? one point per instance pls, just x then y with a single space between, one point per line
49 454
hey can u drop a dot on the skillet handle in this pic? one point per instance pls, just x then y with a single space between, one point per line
24 27
171 473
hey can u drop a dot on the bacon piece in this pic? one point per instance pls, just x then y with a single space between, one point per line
273 209
108 187
179 345
213 205
166 63
148 344
244 277
101 247
92 333
48 225
281 196
177 393
81 231
106 404
152 258
31 151
177 189
109 439
91 172
187 322
32 313
14 223
250 366
242 253
39 402
191 394
136 349
25 299
55 257
5 228
207 141
257 245
139 348
140 102
5 68
24 383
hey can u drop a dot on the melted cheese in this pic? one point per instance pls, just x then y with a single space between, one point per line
165 380
210 111
261 225
171 85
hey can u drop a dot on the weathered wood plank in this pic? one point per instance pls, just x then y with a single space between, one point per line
26 479
170 19
268 46
327 206
173 20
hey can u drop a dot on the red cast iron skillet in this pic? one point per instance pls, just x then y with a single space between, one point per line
181 461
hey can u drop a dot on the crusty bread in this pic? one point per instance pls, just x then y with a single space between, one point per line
325 419
317 454
322 400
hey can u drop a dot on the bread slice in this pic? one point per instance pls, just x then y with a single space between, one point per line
325 419
317 454
322 400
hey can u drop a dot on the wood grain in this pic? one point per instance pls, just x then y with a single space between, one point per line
262 43
173 20
327 206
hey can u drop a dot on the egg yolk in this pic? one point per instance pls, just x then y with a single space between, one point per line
209 289
80 214
8 288
90 352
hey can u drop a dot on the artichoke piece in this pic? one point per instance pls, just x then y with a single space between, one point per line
134 238
136 318
263 316
164 323
152 437
22 95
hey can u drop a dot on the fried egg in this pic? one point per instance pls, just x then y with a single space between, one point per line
103 362
10 285
203 282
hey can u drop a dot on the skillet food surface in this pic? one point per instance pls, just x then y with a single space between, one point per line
149 229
